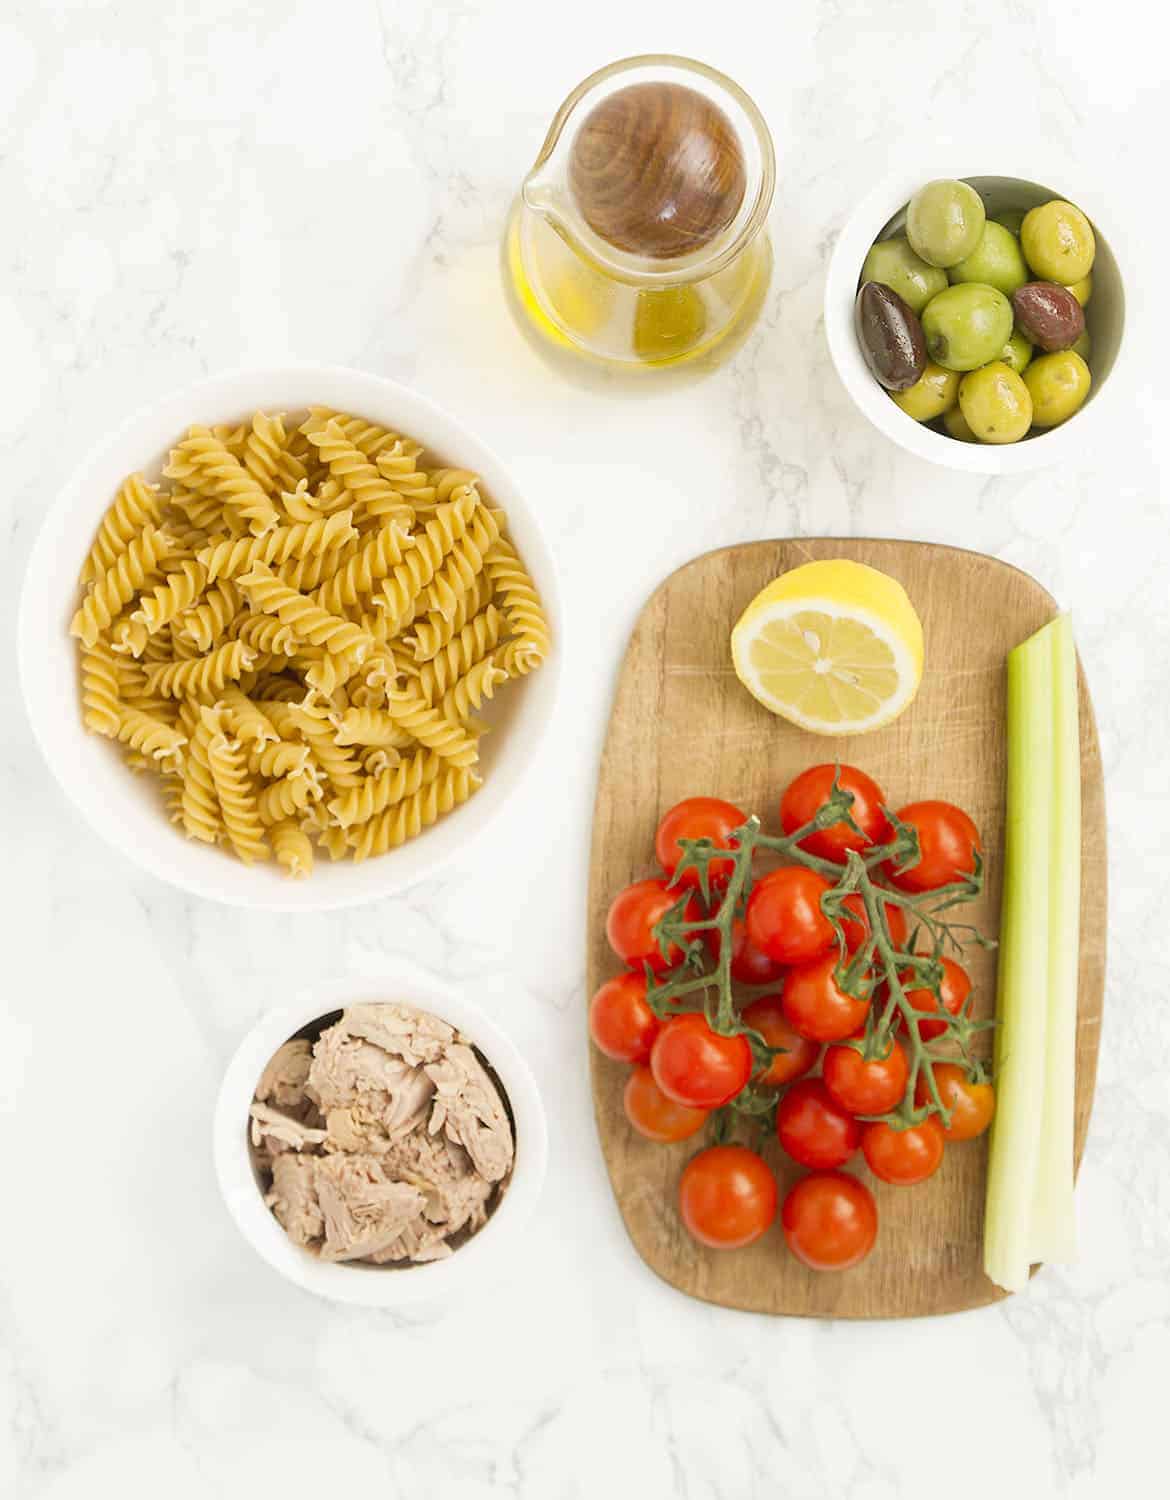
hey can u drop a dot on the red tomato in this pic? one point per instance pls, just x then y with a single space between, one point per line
972 1105
955 987
948 842
866 1088
748 964
784 916
699 818
621 1022
655 1116
630 923
855 923
694 1065
813 1128
817 1007
903 1157
811 790
830 1221
766 1015
727 1197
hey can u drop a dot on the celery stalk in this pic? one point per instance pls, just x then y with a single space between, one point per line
1030 1177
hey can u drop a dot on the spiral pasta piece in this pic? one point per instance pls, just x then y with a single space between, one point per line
381 551
352 469
160 741
408 580
430 727
161 606
203 462
279 758
231 558
263 451
432 633
380 790
399 467
100 690
286 797
293 848
370 726
125 576
137 507
407 819
463 564
467 694
522 609
309 621
203 674
199 811
236 792
368 438
205 623
248 722
480 635
337 763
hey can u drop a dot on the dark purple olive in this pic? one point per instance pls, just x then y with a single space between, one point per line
1048 315
890 336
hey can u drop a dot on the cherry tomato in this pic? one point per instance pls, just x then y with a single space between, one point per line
829 1221
748 964
727 1197
699 818
817 1007
630 923
855 923
694 1065
866 1088
954 988
655 1116
948 842
811 790
784 916
813 1128
972 1105
903 1157
766 1015
621 1022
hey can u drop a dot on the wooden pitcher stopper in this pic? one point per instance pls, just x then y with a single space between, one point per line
657 170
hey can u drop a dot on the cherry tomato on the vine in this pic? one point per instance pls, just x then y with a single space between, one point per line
727 1197
699 818
855 923
903 1157
866 1088
748 964
766 1015
655 1116
954 989
631 920
816 1006
972 1105
948 842
811 790
784 916
829 1221
621 1022
694 1065
813 1128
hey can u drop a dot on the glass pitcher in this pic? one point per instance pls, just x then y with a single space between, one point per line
639 240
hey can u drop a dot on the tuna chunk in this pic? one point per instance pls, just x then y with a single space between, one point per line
293 1197
364 1210
275 1132
283 1081
468 1108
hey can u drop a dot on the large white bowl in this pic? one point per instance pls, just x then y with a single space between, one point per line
882 214
125 809
490 1252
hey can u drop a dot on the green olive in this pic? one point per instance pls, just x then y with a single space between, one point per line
957 425
997 261
996 403
1011 219
1084 346
1017 353
1058 242
934 392
966 325
944 221
1082 290
1058 385
894 264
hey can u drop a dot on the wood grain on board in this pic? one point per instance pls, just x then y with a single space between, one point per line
683 726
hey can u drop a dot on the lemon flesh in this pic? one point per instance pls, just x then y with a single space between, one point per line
835 647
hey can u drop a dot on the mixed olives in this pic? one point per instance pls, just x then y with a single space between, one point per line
977 323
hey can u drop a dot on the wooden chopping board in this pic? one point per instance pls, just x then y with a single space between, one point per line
683 726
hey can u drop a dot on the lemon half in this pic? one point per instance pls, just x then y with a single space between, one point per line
835 647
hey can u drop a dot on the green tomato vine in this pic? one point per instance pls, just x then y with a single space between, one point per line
698 983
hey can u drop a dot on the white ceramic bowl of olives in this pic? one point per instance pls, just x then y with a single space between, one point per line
977 320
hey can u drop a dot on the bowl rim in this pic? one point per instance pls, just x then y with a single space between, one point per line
859 232
182 863
485 1254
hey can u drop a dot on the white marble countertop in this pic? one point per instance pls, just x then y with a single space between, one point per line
187 187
